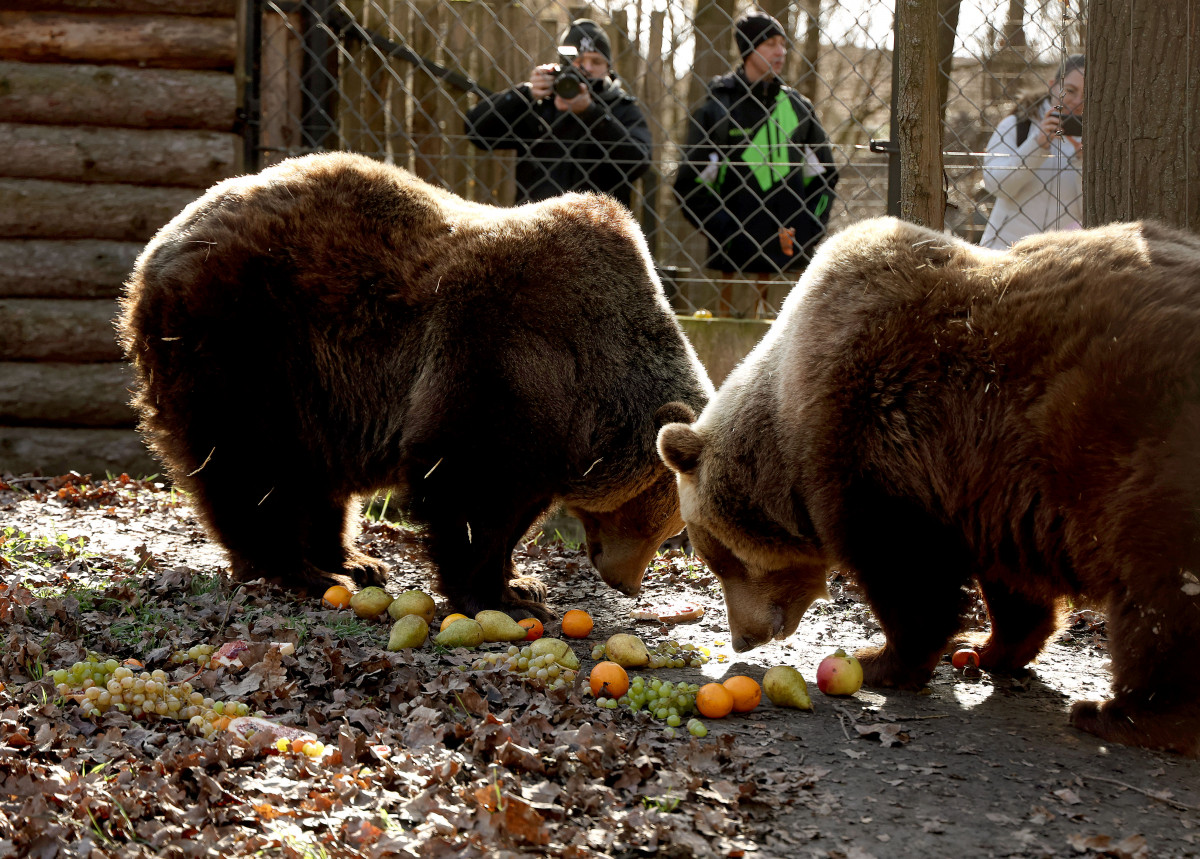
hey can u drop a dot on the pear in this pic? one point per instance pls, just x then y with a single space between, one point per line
785 687
627 650
370 603
461 633
412 602
409 631
498 626
562 652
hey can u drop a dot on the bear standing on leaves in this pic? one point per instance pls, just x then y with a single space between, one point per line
926 413
334 326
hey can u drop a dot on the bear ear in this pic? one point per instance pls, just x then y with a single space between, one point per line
680 447
674 412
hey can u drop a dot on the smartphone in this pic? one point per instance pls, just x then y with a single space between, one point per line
1072 125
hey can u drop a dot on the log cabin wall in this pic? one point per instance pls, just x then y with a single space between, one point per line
114 115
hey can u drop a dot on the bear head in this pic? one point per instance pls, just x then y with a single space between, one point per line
768 561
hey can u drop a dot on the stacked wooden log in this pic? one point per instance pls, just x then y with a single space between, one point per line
114 115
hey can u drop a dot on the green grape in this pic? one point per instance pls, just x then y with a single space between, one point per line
669 732
673 720
697 728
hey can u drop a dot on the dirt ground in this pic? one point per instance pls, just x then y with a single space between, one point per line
973 766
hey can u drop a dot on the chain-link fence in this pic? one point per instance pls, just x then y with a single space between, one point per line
410 81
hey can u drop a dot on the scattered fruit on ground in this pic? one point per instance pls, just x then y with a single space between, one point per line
669 612
543 668
785 687
409 631
667 653
534 628
336 597
201 654
450 618
412 602
461 633
577 623
283 738
839 674
745 691
697 728
714 701
558 649
962 658
627 650
608 679
370 603
498 626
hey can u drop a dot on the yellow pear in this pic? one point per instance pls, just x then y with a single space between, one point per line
370 603
498 626
785 686
627 650
461 633
412 602
559 649
409 631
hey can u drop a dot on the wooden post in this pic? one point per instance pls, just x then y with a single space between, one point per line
922 200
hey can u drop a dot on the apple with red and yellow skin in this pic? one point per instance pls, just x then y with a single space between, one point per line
839 674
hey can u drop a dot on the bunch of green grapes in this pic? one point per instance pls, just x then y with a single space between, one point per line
545 669
101 685
666 701
201 654
667 653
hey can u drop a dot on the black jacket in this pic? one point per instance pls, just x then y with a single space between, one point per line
756 161
604 149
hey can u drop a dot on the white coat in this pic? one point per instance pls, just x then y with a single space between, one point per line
1036 189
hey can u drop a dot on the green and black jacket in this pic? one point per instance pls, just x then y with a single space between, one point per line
756 161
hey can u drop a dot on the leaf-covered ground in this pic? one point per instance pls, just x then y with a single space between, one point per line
425 758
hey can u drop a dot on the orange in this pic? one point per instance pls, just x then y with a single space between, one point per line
534 626
714 701
608 679
336 597
577 623
746 693
450 618
963 658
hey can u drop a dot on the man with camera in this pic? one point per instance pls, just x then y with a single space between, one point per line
573 125
1034 162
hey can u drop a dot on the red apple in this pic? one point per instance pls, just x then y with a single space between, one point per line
839 674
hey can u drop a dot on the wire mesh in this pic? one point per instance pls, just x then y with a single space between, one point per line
397 80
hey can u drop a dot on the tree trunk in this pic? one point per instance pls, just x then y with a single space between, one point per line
48 268
49 394
713 29
57 94
210 8
922 199
156 41
35 209
1139 155
54 451
95 154
947 32
50 329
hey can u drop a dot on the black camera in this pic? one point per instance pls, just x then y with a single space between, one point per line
1071 125
567 77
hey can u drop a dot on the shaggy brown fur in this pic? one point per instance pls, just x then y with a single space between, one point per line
334 326
926 412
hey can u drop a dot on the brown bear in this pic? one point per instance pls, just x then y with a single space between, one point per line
926 413
333 326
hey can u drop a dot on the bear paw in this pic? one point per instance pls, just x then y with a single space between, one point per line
364 569
882 667
528 588
1172 731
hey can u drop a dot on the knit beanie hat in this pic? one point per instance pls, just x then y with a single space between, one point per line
753 29
585 35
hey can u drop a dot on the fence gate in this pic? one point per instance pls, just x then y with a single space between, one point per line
394 79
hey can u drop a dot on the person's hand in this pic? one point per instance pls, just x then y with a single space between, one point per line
541 81
578 104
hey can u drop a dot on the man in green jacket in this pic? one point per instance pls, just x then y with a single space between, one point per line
757 173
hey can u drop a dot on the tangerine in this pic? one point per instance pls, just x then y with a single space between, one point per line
336 597
608 679
450 618
963 658
577 623
745 691
714 701
534 626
